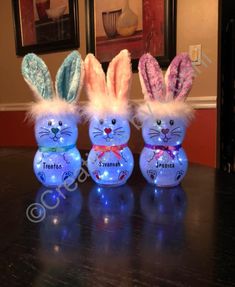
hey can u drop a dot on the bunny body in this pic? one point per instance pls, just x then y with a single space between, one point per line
110 161
110 156
163 161
57 160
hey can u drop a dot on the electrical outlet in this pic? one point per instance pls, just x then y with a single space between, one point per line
195 53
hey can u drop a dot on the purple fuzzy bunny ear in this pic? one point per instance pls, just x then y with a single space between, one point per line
179 78
151 78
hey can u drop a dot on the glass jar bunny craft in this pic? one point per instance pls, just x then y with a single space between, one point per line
164 117
110 161
55 113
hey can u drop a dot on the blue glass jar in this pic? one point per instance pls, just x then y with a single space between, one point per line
110 161
57 160
163 161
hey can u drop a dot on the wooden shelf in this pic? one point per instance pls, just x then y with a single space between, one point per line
106 48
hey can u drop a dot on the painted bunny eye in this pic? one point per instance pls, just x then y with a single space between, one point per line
60 123
171 122
101 121
158 122
49 123
114 121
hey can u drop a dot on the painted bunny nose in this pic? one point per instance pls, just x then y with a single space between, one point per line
107 130
55 130
165 131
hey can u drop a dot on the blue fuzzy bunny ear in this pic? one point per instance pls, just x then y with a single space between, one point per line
69 78
37 76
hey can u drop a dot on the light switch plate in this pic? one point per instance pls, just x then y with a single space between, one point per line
195 53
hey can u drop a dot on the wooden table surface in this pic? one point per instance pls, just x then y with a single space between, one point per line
135 235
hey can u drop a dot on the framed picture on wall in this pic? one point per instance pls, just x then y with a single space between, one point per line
45 25
140 26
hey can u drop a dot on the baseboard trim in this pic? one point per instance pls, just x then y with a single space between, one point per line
197 103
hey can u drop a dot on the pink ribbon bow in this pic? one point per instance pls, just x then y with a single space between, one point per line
114 149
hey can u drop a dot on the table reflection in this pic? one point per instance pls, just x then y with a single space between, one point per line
59 232
163 234
62 205
163 205
111 209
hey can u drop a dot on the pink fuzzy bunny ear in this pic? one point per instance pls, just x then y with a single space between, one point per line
179 78
151 78
119 76
94 78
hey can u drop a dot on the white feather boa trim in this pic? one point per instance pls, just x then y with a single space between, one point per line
55 106
102 107
159 110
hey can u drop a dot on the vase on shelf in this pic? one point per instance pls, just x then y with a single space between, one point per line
127 22
42 6
56 13
109 19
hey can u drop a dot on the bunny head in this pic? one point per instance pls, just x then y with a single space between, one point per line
165 114
53 130
108 109
55 111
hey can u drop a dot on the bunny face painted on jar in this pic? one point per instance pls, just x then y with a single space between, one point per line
52 130
111 130
165 131
164 117
110 162
57 160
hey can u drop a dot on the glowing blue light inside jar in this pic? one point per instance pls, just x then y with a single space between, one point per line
57 160
163 161
110 161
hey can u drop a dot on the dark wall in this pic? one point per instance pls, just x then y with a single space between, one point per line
227 88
